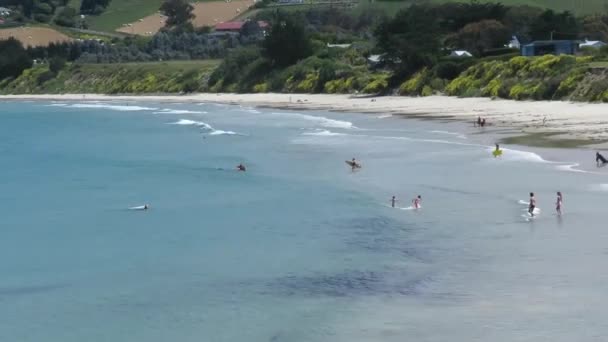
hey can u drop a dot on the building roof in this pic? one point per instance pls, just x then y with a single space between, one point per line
550 42
236 25
592 43
341 46
461 53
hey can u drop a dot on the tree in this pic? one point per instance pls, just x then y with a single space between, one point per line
454 16
66 17
13 58
595 27
93 6
410 40
287 42
481 36
56 64
179 14
520 19
551 25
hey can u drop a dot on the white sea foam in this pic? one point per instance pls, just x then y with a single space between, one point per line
111 107
517 155
220 132
323 121
205 126
186 122
384 116
57 105
323 133
571 168
179 111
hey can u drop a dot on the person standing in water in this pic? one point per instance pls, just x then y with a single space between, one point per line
417 202
393 200
558 203
354 165
532 204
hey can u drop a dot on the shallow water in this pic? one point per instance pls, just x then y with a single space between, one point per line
299 248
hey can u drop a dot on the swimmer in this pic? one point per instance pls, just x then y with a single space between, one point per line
241 167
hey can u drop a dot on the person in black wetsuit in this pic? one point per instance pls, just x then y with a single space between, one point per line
599 159
241 167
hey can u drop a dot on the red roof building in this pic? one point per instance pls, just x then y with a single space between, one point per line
236 26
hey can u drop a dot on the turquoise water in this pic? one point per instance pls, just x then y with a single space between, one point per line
298 248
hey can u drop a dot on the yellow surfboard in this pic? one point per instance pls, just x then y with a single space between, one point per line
497 153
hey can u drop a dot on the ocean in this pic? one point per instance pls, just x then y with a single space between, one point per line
299 247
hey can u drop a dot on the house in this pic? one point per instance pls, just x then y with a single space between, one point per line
461 54
374 59
514 43
550 47
596 44
236 26
340 46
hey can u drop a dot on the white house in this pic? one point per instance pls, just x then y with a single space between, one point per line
592 44
5 11
461 54
340 46
514 43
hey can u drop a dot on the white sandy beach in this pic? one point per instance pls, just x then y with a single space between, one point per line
574 120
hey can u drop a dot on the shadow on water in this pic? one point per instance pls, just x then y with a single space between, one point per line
28 290
349 283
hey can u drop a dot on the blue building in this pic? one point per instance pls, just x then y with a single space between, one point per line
550 47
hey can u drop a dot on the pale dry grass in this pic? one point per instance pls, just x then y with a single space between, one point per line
34 36
206 14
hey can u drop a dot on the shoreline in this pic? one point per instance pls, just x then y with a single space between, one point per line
539 123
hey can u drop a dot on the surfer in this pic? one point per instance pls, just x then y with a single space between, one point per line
600 160
479 121
532 204
393 200
353 164
558 203
497 152
241 167
417 202
146 207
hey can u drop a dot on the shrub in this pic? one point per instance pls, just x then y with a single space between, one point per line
56 64
449 70
414 85
378 84
260 88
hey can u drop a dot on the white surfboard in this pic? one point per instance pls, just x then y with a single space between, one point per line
140 207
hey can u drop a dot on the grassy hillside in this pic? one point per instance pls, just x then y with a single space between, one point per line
576 6
161 77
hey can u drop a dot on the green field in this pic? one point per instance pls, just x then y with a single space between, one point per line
120 12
